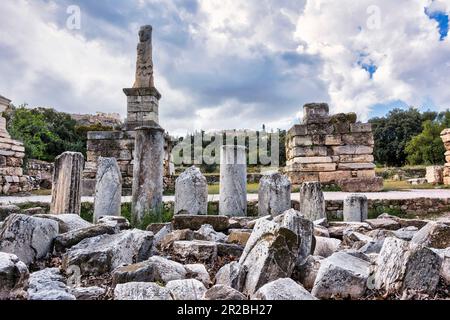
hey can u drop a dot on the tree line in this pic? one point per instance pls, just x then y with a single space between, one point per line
401 137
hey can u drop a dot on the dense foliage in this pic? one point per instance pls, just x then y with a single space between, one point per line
46 133
408 136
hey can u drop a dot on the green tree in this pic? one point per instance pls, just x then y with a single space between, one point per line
427 147
393 132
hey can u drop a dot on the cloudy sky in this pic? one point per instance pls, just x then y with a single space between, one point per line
229 63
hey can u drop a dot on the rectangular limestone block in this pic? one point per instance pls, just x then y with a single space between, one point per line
366 173
5 146
314 151
447 181
352 150
18 148
316 167
365 139
302 177
11 171
298 130
312 160
356 166
333 140
360 127
320 128
301 141
326 177
346 158
105 135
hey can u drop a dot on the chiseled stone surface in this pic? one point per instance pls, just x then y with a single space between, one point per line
48 284
148 173
233 181
141 291
29 238
66 190
191 193
312 202
274 195
108 189
283 289
356 208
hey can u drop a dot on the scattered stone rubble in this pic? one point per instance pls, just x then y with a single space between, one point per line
194 258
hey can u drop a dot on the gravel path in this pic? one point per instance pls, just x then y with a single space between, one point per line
390 195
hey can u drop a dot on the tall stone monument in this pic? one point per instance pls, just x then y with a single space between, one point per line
12 153
143 98
142 110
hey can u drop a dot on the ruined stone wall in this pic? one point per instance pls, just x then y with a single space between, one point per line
445 135
332 150
12 153
119 145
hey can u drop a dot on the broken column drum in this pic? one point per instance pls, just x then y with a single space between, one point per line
312 201
148 173
233 181
66 190
355 208
274 196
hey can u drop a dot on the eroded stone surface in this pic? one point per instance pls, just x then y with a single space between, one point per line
191 193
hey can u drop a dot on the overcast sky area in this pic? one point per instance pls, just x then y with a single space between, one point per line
222 64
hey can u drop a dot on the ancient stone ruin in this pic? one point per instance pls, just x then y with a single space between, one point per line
142 110
332 150
445 135
12 152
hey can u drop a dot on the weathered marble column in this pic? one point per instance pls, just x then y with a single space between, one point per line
355 208
312 202
108 189
274 196
66 189
148 171
233 181
191 193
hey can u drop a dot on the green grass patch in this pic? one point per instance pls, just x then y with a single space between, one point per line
251 188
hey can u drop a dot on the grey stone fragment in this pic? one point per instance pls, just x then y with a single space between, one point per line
29 238
141 291
71 238
88 293
356 208
48 284
312 201
282 289
191 193
434 235
274 195
187 289
222 292
13 275
108 189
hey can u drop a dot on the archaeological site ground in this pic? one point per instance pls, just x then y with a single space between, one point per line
331 207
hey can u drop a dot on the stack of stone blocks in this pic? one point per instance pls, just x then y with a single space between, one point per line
332 150
445 136
12 153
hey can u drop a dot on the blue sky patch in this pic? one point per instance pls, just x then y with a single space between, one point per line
442 20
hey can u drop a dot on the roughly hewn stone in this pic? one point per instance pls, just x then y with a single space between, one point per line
29 238
270 253
141 291
13 275
48 284
274 195
312 202
221 293
66 190
7 210
219 223
282 289
361 184
307 272
198 271
155 269
233 181
207 233
340 276
356 208
108 189
167 240
66 222
325 247
71 238
191 193
201 251
238 236
88 293
104 253
232 275
401 267
120 222
187 289
434 235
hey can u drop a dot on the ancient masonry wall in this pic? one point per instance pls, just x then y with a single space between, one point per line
12 153
331 149
445 135
119 145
